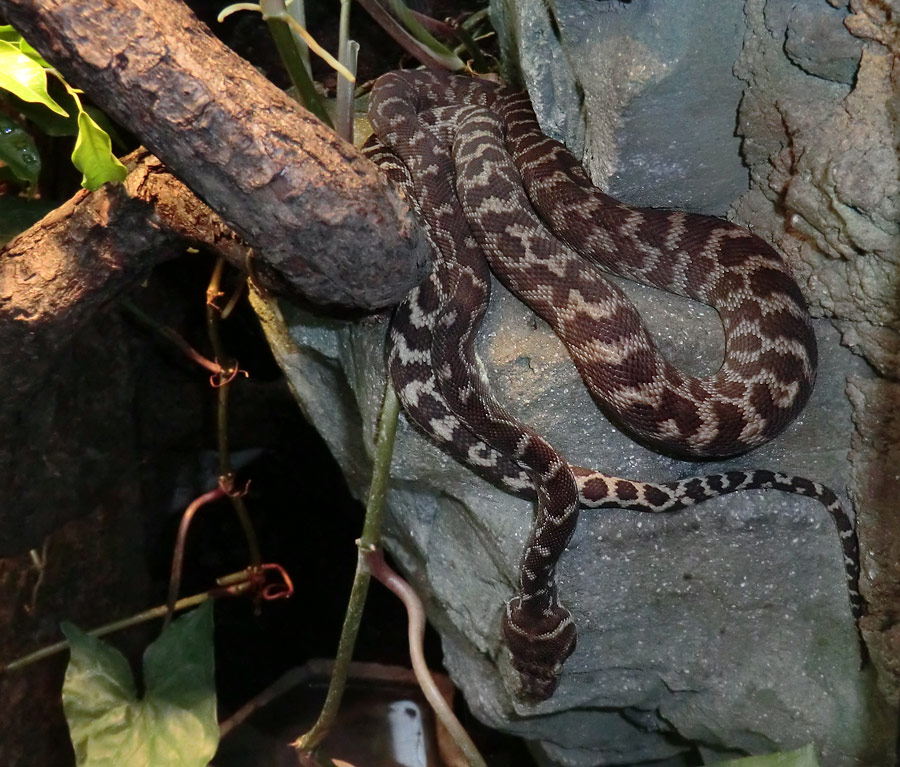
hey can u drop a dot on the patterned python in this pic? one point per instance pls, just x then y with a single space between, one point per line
462 150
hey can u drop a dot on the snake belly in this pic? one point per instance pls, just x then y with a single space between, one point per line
494 194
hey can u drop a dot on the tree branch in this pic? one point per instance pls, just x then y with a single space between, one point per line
59 273
309 204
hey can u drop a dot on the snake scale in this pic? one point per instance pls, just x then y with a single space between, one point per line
493 193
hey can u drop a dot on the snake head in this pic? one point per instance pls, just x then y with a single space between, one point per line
539 643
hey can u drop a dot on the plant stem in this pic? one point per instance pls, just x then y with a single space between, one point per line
347 52
178 555
171 337
479 62
416 614
405 40
384 450
223 384
371 534
418 31
133 620
293 63
344 105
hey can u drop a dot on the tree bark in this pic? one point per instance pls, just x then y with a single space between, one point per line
310 205
59 273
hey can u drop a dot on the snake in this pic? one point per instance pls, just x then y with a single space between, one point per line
494 195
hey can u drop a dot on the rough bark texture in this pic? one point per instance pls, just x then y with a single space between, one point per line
57 274
306 201
61 272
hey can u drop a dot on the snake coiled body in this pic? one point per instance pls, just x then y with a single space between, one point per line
494 194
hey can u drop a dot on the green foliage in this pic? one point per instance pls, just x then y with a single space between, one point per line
172 725
803 757
93 155
23 73
10 35
48 122
18 151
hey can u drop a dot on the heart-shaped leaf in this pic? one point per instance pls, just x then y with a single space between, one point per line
172 725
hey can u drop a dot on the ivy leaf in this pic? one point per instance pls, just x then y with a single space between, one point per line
23 76
93 155
172 725
802 757
18 151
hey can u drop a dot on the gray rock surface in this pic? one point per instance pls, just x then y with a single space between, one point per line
818 43
687 623
826 189
726 627
620 85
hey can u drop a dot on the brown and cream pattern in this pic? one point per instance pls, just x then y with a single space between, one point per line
494 194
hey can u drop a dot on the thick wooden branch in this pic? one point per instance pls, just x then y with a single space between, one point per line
74 262
309 204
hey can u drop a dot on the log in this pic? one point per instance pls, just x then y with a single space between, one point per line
311 206
85 254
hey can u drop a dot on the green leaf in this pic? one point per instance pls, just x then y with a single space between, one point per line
93 155
49 123
803 757
32 54
9 34
107 126
173 725
18 151
22 75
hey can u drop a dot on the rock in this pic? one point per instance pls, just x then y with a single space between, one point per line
818 43
725 628
684 620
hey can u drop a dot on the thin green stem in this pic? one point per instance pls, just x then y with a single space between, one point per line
213 293
233 300
226 475
381 471
418 31
371 534
347 53
405 40
133 620
461 32
479 62
293 63
243 515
